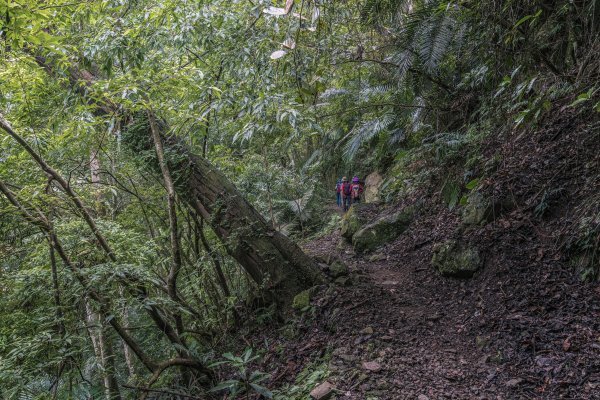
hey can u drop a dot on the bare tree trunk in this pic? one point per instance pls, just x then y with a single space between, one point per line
176 263
103 351
95 177
269 195
199 225
270 258
111 385
91 320
103 346
60 325
129 357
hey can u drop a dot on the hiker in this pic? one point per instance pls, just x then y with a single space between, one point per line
356 190
346 193
338 192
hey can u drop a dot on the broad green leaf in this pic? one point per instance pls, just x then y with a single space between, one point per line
472 184
229 385
262 390
522 20
583 97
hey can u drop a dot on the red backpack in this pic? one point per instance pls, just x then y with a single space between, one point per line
356 189
347 189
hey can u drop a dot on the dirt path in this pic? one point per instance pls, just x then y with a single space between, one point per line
391 317
517 330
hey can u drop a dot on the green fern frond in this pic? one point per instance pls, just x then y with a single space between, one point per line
332 93
404 60
367 93
440 45
397 135
411 22
378 12
417 115
366 131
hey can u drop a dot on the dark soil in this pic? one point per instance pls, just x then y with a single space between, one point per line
526 326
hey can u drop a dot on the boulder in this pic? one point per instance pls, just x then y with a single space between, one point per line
301 300
353 220
481 342
367 331
477 210
338 268
382 231
451 258
372 185
327 259
514 382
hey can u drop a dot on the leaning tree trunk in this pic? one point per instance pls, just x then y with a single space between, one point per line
270 258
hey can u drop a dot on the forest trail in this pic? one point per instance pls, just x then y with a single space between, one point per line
414 333
398 330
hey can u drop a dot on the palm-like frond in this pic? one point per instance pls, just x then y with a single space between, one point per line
367 93
366 131
416 119
381 11
404 60
397 136
444 33
332 93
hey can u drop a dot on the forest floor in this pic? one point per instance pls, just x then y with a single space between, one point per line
511 332
524 327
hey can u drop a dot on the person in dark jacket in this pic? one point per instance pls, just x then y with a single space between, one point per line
338 192
346 193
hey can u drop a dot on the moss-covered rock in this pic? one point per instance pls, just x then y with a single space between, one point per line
353 220
382 230
477 210
301 300
451 258
377 257
338 268
328 259
343 281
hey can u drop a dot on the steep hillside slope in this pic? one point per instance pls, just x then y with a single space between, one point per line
524 326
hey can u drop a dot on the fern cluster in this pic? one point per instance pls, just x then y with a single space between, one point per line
435 60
